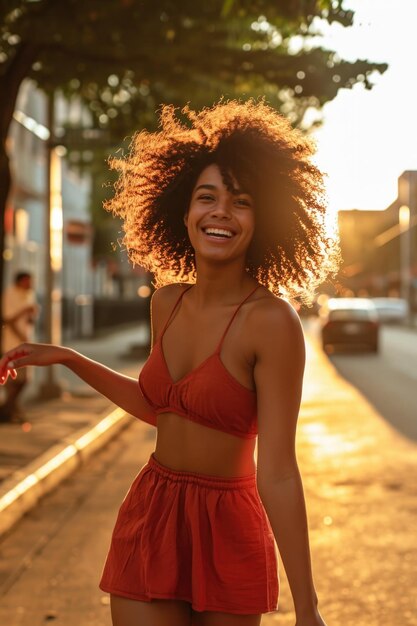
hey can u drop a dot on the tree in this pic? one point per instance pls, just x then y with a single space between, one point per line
125 57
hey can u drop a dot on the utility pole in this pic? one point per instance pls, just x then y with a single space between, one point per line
53 255
407 216
405 252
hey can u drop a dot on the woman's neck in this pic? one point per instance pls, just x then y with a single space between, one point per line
221 286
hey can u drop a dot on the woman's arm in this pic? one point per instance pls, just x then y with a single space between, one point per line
123 390
279 369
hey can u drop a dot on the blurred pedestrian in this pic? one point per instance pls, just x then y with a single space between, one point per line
19 311
226 209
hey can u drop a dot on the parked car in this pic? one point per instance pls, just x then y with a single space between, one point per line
392 310
350 321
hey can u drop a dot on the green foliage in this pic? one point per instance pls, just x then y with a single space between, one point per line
124 58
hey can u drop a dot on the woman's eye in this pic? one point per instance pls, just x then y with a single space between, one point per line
205 197
243 202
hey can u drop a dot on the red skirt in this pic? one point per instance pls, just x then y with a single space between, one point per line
193 537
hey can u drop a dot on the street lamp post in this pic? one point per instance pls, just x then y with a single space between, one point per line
405 254
53 256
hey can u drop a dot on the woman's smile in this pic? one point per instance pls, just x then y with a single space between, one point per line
218 234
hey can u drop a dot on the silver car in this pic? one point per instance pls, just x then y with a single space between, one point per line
392 310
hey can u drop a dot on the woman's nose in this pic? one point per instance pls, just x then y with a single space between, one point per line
222 207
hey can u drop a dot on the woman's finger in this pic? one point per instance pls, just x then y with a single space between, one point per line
5 375
19 361
9 362
17 358
15 354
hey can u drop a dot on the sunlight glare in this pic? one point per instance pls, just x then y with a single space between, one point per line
366 140
325 443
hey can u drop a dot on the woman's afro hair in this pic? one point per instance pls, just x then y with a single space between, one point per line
292 251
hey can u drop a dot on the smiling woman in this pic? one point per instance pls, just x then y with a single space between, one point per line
257 153
229 209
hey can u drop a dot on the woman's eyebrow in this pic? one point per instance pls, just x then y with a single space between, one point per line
205 186
236 191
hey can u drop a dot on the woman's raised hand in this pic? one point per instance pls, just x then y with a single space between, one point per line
29 354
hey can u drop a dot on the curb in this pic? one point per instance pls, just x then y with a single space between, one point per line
23 489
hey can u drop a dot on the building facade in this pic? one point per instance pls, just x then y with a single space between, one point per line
92 292
379 248
27 212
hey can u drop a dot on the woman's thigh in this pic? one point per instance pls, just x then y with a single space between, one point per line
212 618
127 612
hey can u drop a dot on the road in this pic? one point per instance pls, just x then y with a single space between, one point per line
387 379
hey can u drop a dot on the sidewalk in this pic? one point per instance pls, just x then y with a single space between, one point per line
59 434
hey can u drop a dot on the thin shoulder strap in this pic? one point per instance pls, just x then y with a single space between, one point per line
178 300
219 347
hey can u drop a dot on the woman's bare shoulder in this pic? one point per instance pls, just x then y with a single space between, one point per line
267 303
162 301
272 316
166 292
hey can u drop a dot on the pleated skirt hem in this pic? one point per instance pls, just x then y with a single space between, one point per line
198 608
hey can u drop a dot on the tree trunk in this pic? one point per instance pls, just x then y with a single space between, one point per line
10 83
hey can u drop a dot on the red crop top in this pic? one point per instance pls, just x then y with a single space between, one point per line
208 395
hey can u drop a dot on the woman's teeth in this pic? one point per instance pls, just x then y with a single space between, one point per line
218 232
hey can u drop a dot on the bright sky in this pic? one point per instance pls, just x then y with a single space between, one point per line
370 137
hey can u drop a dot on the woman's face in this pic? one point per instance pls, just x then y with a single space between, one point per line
220 222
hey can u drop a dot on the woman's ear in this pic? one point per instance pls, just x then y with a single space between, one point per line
186 219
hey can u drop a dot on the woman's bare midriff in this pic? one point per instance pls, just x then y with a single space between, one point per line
184 445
